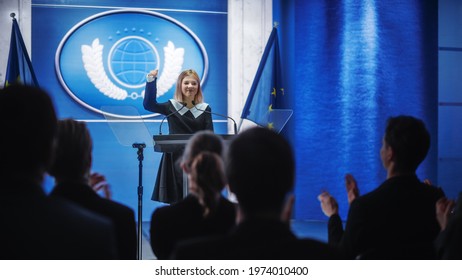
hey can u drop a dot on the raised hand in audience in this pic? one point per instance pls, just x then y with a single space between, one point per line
329 205
427 182
351 187
444 209
99 184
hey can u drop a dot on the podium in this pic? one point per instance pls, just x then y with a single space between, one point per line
176 142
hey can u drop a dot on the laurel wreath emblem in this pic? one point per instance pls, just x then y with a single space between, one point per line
92 57
173 59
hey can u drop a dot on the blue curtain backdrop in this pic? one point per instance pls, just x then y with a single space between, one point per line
358 62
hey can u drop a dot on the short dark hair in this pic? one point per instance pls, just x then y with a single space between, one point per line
260 168
72 153
28 125
410 141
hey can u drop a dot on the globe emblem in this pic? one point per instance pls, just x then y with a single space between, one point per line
130 59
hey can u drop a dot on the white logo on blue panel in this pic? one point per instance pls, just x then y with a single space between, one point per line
117 49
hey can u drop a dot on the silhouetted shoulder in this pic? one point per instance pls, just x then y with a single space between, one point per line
55 229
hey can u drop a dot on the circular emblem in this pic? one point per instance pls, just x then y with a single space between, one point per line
103 60
130 59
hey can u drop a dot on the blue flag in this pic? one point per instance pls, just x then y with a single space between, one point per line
19 67
263 101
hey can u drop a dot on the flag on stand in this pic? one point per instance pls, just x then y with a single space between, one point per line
19 68
263 101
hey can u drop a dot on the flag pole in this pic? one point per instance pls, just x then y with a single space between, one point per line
19 66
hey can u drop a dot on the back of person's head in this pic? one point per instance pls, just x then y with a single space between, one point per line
28 125
410 141
260 169
207 178
199 97
204 140
72 153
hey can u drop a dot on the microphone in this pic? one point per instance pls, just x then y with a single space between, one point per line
139 145
235 126
160 127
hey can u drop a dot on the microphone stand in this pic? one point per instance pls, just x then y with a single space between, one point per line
139 248
212 113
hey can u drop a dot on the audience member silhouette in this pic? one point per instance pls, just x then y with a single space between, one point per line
449 241
260 169
35 226
397 220
204 211
71 169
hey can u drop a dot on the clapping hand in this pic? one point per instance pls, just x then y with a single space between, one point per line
444 209
329 205
98 184
351 187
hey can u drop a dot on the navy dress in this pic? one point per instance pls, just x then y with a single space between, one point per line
168 187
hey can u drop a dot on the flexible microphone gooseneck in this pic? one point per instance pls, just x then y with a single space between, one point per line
224 116
162 122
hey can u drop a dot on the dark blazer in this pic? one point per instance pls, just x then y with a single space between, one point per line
36 227
184 220
121 216
395 221
256 240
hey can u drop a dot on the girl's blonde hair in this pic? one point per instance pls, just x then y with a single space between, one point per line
198 98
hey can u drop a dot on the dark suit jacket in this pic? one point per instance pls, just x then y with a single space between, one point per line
121 216
256 240
184 220
397 220
35 227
